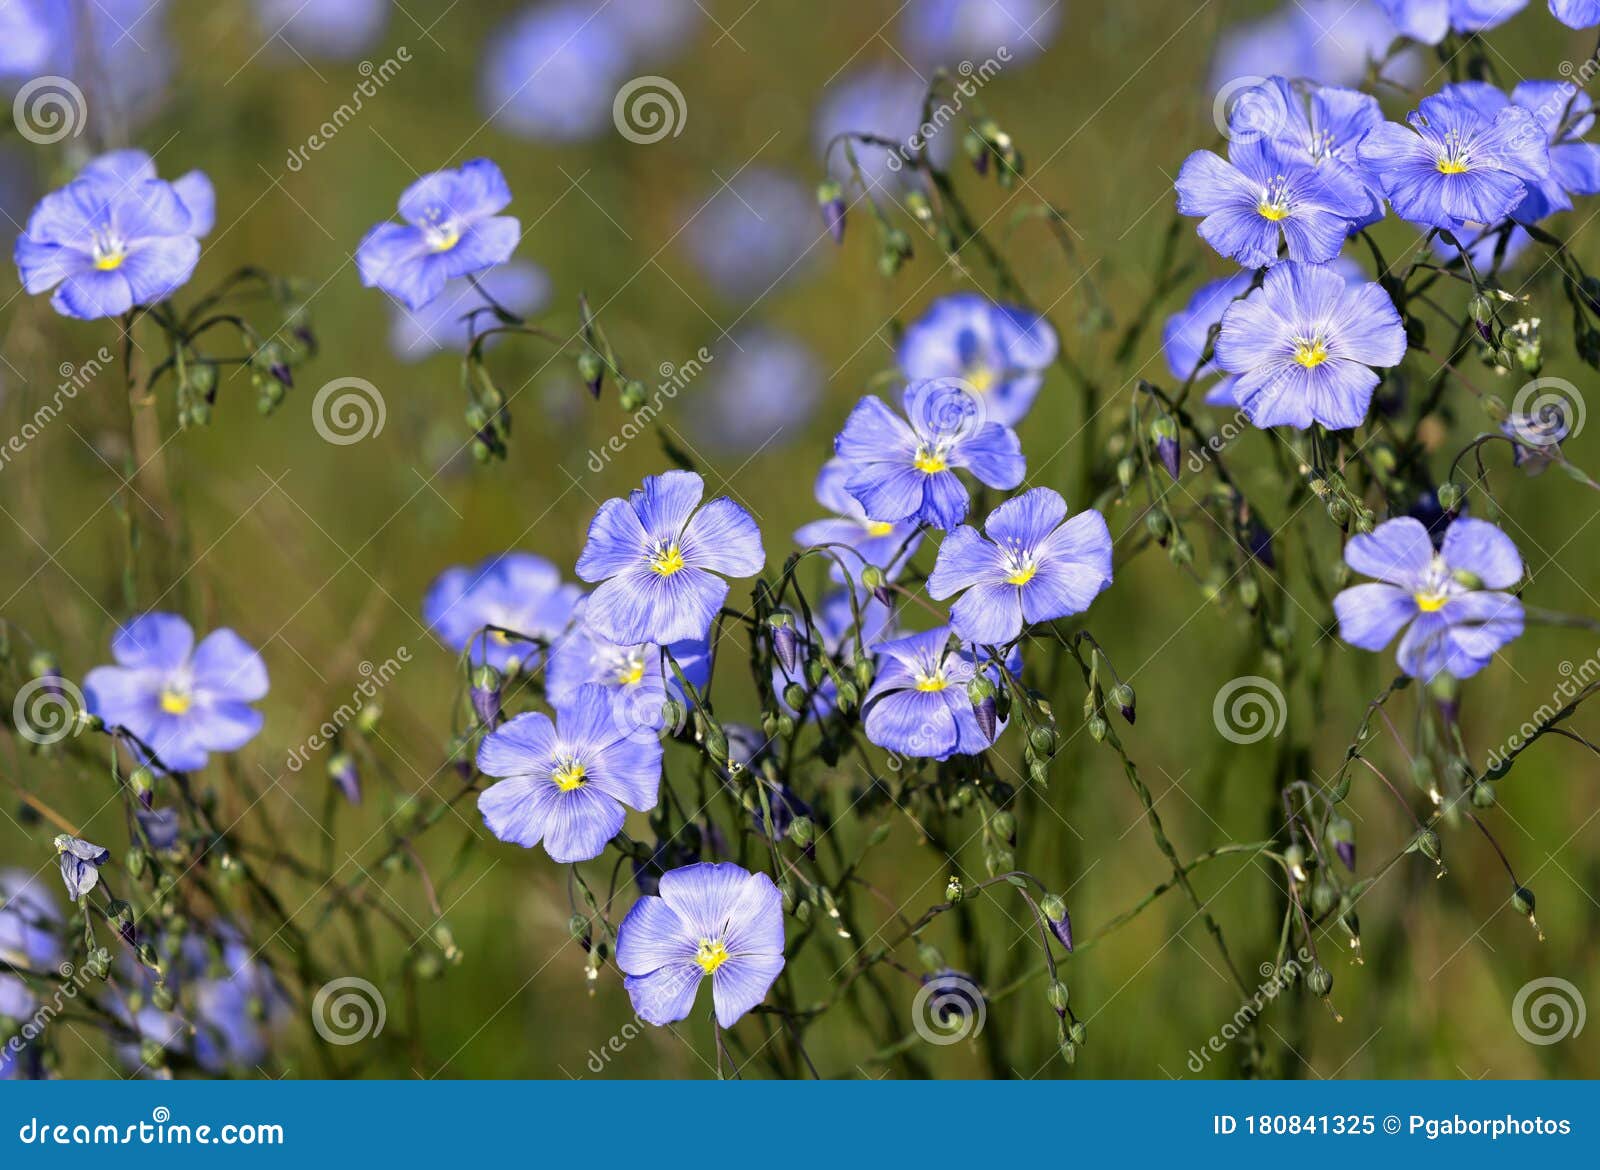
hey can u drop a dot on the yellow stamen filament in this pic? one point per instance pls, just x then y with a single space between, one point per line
630 674
1311 353
569 776
1453 166
879 528
1272 211
1023 575
110 262
668 561
1430 602
932 682
711 955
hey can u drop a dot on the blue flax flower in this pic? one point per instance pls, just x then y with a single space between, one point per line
183 701
452 229
754 233
709 919
1564 113
885 544
193 188
516 591
1457 163
905 469
1303 347
1322 125
551 72
565 782
636 678
1000 351
80 865
918 704
1576 13
1450 602
657 554
762 390
107 242
1429 21
1184 337
1262 195
1028 567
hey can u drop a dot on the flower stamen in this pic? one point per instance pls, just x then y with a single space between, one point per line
711 955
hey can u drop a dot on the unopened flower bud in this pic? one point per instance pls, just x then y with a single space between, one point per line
342 771
830 198
632 396
143 783
1319 981
485 694
1054 908
1122 696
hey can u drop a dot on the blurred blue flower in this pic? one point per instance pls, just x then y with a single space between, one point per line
716 920
324 29
906 470
753 233
106 242
452 229
637 678
1262 196
761 385
518 285
918 705
1576 13
1428 21
1327 41
886 544
652 30
1458 161
115 52
1030 565
552 72
1304 346
29 921
657 556
948 32
515 591
183 701
1000 351
887 103
565 782
1183 338
1451 603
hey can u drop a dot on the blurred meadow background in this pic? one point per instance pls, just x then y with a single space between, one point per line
319 554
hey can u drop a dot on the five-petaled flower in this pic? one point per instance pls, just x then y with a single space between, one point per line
1000 351
452 229
709 919
635 677
182 701
1451 602
565 782
884 544
906 470
489 605
1303 347
657 554
1030 567
1458 163
918 705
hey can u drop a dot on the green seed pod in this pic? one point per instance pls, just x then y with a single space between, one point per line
1320 981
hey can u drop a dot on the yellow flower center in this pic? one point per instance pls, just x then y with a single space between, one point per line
667 561
930 462
1023 575
879 528
110 262
630 674
175 702
1311 353
711 955
1430 602
981 378
1453 164
932 682
569 776
443 237
1272 211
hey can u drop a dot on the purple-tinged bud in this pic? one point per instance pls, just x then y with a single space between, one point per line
830 198
1164 433
592 371
143 783
883 597
1055 913
485 694
1342 835
1122 695
281 372
342 771
785 641
987 715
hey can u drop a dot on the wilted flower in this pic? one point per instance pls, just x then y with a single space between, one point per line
80 865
